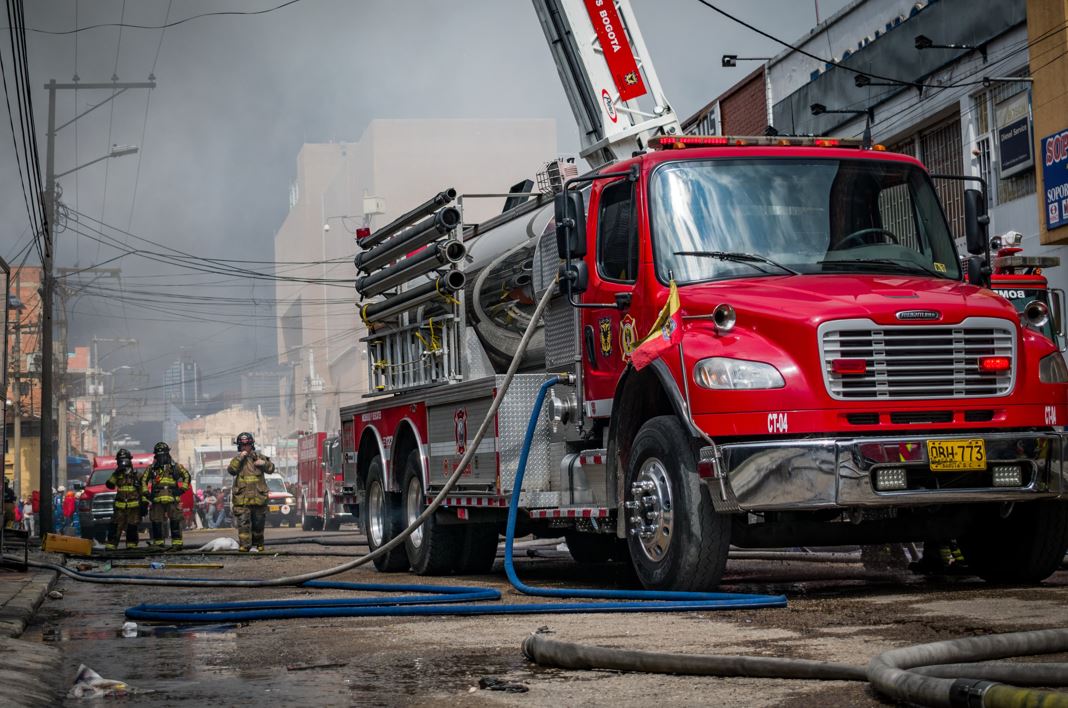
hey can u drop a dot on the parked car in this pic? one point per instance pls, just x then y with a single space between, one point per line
281 506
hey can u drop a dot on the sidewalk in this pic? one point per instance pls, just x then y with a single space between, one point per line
31 673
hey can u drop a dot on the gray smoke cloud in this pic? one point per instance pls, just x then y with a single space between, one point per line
236 98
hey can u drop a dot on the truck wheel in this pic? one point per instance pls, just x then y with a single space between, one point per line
478 549
680 542
432 548
1026 547
330 522
307 523
383 520
596 547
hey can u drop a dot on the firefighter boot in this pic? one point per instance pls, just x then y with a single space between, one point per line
157 535
176 535
131 536
113 538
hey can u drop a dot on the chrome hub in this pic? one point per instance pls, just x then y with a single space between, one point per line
651 511
376 510
412 509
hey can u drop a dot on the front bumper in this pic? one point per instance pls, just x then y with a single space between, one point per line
808 474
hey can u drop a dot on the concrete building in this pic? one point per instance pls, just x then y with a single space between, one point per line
964 109
22 458
218 430
181 381
394 166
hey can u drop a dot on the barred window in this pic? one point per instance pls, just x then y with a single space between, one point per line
985 104
941 151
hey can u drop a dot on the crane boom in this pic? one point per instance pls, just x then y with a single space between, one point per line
605 69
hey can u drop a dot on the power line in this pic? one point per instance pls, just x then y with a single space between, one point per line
144 124
167 25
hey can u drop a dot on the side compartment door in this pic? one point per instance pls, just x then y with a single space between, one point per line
609 334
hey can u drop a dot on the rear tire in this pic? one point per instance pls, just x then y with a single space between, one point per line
306 522
596 547
478 549
686 542
330 522
382 519
1027 547
433 549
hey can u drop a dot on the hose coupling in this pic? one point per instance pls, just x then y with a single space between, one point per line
968 693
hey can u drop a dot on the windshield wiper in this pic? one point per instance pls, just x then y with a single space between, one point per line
903 265
738 257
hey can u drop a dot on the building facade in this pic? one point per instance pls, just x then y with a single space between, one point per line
394 166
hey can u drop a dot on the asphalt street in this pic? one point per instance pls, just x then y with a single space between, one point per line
837 612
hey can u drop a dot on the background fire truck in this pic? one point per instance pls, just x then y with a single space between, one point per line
822 375
322 497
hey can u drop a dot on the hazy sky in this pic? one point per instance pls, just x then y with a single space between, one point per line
238 95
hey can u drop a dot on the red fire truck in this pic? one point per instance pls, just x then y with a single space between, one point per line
825 377
322 494
1019 279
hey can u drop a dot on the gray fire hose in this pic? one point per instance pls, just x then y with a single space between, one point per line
938 674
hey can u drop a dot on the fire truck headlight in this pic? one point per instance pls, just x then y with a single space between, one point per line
724 373
1052 369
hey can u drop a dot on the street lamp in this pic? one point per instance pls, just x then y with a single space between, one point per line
730 61
819 109
116 151
925 42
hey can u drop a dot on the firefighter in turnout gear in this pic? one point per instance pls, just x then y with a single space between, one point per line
126 511
165 482
250 492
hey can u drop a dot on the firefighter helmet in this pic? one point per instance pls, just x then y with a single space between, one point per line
245 439
161 448
123 454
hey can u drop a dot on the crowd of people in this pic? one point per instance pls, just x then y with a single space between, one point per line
211 511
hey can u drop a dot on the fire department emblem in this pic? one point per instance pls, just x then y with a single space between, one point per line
631 78
459 420
606 335
628 336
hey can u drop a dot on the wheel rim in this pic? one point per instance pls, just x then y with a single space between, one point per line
303 511
376 502
413 507
652 517
327 503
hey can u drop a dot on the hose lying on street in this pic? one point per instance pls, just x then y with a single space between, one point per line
938 674
625 601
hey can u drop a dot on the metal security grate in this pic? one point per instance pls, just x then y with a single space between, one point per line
918 361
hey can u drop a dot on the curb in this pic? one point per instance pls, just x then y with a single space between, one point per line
17 612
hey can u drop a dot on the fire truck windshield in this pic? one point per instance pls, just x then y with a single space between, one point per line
809 215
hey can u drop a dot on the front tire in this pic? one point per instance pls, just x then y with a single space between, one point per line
382 519
1026 547
678 542
433 549
330 522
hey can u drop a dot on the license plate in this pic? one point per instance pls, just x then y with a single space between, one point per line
275 507
956 455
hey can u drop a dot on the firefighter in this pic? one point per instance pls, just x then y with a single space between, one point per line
250 492
166 481
126 510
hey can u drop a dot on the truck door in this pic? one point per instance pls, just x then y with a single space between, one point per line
609 334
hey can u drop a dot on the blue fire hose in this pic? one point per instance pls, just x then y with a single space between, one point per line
451 600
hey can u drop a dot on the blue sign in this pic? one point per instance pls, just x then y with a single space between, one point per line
1055 179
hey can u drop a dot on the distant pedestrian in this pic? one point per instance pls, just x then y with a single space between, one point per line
57 509
29 513
70 513
9 505
250 492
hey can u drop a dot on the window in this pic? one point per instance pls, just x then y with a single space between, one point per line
1002 189
617 235
940 150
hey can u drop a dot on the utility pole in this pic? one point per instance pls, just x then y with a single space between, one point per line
46 478
17 388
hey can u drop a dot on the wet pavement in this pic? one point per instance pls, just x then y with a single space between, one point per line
838 612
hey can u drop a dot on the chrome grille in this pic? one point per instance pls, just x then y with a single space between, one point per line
103 505
918 361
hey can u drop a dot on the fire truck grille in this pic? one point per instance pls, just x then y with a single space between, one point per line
917 361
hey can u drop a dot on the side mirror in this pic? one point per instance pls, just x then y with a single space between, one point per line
576 276
978 272
570 225
976 222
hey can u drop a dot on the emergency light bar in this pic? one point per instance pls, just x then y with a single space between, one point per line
681 142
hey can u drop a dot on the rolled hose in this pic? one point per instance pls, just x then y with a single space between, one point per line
910 674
